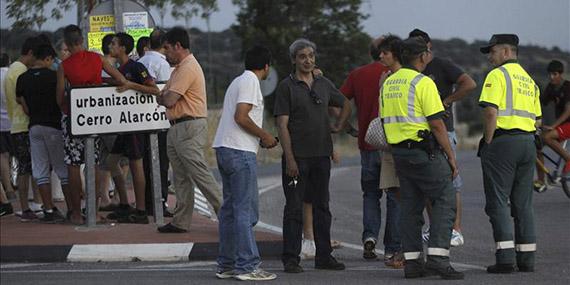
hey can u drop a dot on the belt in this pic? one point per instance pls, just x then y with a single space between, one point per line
183 119
500 132
410 144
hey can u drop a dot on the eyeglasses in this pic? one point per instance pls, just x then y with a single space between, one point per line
315 97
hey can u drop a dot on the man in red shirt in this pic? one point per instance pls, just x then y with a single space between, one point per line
363 85
81 68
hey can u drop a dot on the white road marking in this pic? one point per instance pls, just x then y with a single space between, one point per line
130 252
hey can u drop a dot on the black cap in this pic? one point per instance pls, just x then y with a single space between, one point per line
419 33
414 46
497 39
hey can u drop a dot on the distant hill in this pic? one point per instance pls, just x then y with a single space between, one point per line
227 62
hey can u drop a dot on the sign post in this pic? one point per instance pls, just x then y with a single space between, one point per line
101 110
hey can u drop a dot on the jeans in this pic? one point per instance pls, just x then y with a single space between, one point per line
313 180
371 216
239 212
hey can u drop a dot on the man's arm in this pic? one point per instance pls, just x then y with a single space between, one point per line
489 123
465 84
243 120
440 132
285 139
22 102
113 72
343 117
60 88
563 117
168 98
148 88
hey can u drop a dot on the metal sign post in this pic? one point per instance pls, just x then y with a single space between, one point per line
156 182
90 192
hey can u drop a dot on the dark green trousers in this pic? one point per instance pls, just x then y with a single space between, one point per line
508 169
422 178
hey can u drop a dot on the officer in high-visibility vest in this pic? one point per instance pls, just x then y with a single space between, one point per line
510 99
412 114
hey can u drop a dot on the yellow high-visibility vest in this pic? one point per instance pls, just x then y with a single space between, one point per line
512 91
408 98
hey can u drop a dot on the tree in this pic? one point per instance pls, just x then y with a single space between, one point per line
208 8
334 25
160 5
27 13
186 9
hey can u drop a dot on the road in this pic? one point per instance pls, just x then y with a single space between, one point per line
552 209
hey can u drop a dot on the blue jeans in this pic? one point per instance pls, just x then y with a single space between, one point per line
239 212
372 215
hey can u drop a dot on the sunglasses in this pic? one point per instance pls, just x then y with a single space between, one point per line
315 97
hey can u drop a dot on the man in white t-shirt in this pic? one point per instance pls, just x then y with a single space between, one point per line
154 60
236 143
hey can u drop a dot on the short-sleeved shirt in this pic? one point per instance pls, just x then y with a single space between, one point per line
187 80
38 88
363 84
82 69
18 117
244 89
445 74
560 95
135 72
157 66
308 125
4 119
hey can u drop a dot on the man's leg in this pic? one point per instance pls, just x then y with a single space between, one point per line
553 138
371 194
293 211
392 239
227 245
139 182
41 163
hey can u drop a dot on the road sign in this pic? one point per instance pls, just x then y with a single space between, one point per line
102 110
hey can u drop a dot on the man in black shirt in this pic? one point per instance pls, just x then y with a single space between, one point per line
301 109
130 145
446 75
557 91
36 92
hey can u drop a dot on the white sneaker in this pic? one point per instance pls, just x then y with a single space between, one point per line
225 274
256 275
425 234
36 207
308 249
456 238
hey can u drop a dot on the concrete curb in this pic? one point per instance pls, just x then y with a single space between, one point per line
125 252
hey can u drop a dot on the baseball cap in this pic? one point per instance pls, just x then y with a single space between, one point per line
497 39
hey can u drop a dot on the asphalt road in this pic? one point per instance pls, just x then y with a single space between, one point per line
552 213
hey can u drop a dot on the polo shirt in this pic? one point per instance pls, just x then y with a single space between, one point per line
187 80
157 66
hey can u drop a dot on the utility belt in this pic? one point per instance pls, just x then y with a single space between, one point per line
428 144
511 132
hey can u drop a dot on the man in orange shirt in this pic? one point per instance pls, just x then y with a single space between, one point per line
184 97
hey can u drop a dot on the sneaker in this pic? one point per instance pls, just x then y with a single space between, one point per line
330 264
395 260
308 249
52 217
425 234
140 217
221 274
501 268
170 229
539 186
28 216
256 275
292 267
122 211
566 169
369 249
6 209
457 238
36 207
446 273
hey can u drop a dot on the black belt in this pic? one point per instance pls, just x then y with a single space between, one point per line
410 144
500 132
183 119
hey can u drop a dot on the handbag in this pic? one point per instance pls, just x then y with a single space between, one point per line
375 135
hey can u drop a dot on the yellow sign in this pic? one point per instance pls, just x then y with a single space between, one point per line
95 40
101 23
138 33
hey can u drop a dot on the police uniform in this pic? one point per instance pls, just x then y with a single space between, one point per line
409 100
508 162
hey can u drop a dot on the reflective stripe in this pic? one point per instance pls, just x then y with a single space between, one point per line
505 244
526 247
509 110
411 255
518 113
438 251
402 119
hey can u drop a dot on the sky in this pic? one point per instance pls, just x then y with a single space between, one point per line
539 22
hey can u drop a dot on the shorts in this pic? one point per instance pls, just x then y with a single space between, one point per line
21 148
457 181
74 147
46 146
563 131
5 142
131 145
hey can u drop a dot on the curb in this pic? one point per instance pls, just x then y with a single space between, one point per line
125 252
